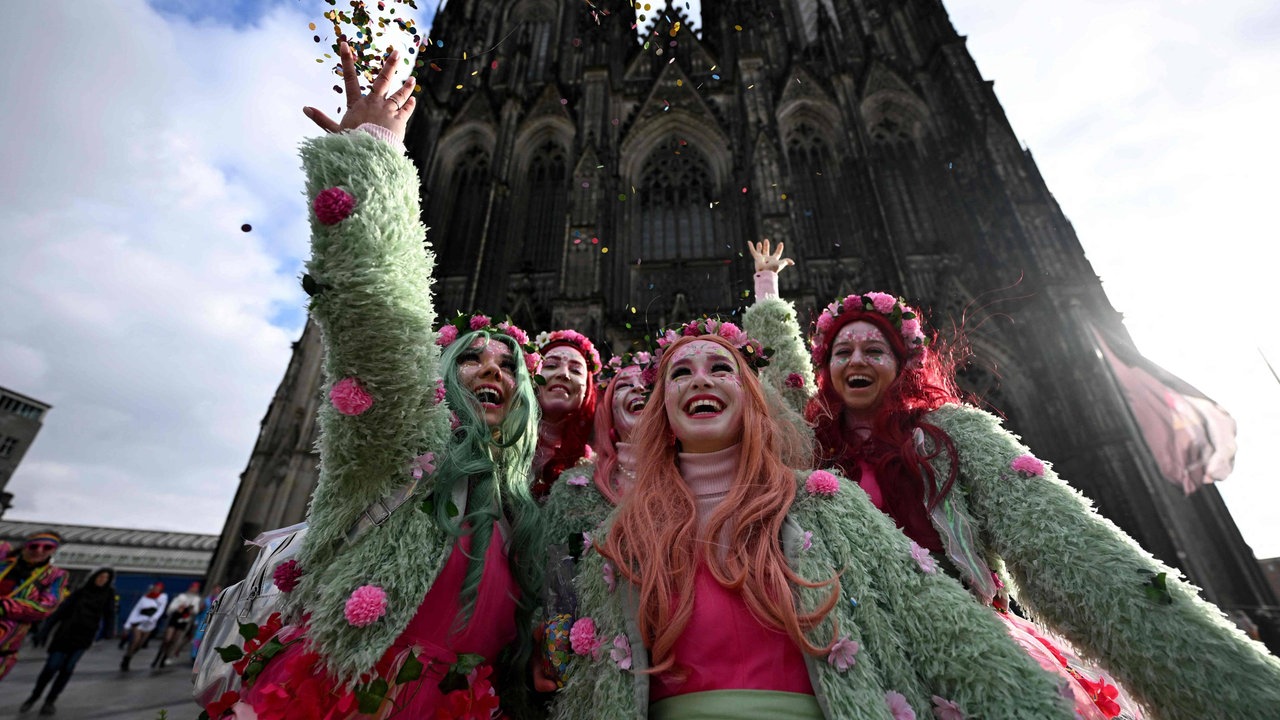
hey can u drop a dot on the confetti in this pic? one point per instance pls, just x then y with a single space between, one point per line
246 227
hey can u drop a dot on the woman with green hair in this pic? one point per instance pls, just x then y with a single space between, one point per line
412 583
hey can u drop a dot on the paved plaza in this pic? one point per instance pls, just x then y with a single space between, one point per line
100 691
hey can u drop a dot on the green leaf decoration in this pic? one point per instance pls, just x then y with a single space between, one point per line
428 506
370 697
411 670
451 510
230 653
248 631
468 662
1157 587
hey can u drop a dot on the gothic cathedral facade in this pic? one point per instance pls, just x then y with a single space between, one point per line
580 172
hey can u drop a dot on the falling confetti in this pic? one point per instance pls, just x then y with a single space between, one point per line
246 227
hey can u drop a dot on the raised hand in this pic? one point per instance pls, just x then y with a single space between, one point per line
766 260
389 111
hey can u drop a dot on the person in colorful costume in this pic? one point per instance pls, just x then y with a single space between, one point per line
567 398
31 588
412 583
886 411
727 584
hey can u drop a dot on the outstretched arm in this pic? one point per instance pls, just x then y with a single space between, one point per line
1089 581
369 278
772 321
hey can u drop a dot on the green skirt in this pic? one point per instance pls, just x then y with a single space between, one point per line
737 705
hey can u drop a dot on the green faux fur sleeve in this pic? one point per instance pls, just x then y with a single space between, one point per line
920 633
370 281
575 505
773 322
1089 581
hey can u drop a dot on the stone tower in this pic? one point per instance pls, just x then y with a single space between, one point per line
577 172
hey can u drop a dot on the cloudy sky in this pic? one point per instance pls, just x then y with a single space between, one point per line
143 136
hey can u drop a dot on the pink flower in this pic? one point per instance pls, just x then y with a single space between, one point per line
911 329
923 558
333 205
825 322
691 329
513 332
1027 465
711 327
732 333
649 376
808 540
670 337
795 380
447 335
882 302
582 637
366 604
610 580
349 397
821 482
944 709
853 302
286 575
479 322
586 541
588 453
424 464
439 390
532 362
621 652
899 708
578 480
454 422
842 654
642 358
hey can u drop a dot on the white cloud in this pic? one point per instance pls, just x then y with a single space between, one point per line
1151 124
134 303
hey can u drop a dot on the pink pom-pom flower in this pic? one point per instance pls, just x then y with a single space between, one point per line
439 390
821 482
898 706
533 362
286 575
349 397
447 335
911 329
333 205
479 322
582 637
795 380
843 653
366 604
1027 466
883 302
825 322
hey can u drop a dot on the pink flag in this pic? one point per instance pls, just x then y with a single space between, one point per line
1191 437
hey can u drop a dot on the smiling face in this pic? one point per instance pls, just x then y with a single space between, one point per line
565 370
629 399
703 397
862 367
38 551
488 370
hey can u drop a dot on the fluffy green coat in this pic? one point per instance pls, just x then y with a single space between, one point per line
1082 576
919 633
377 318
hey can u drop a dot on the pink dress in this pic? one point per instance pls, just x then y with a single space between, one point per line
724 647
292 684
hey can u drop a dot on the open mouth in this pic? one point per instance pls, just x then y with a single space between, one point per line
859 382
489 396
703 406
637 404
557 386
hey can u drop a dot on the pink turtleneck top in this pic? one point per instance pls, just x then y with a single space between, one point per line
724 647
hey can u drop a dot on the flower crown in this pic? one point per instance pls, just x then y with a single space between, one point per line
755 353
577 340
479 322
900 315
645 360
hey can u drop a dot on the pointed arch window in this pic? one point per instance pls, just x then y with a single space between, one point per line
814 199
675 204
543 229
460 215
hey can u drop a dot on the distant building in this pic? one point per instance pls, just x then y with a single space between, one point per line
139 557
20 419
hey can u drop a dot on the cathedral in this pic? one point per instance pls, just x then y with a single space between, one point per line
600 165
